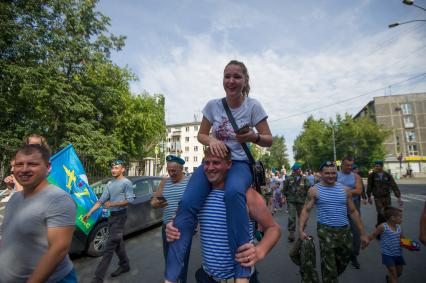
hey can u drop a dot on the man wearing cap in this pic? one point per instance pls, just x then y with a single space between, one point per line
168 195
117 195
380 184
295 189
333 203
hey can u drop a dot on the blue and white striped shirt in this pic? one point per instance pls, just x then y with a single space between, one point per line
173 193
217 259
390 241
332 209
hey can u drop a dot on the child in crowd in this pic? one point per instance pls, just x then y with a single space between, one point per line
390 236
277 200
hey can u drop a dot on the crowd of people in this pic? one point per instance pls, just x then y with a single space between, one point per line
236 224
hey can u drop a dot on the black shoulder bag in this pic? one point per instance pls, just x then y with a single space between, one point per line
257 168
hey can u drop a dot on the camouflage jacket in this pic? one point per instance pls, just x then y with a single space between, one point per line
296 190
381 187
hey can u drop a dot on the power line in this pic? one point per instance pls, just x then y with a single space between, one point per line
349 99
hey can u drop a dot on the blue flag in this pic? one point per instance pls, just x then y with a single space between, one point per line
68 173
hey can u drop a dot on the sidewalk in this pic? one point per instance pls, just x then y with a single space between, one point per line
416 181
406 181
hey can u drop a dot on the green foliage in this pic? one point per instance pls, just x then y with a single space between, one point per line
277 156
57 80
361 138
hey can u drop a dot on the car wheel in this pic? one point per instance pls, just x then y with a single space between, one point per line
97 239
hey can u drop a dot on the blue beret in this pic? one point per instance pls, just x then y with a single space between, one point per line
378 162
173 158
296 166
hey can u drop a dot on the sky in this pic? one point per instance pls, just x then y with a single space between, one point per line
311 57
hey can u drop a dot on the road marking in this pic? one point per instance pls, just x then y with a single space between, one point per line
415 197
402 198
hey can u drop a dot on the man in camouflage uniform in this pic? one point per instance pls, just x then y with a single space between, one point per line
333 203
380 184
295 189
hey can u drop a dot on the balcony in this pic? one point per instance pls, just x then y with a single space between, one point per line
176 133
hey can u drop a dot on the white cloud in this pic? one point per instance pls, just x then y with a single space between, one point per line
287 85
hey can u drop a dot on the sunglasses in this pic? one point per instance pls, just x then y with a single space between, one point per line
117 162
326 164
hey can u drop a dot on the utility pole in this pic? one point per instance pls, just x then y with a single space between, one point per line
334 143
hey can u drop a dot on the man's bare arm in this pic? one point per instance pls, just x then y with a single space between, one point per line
155 202
260 212
353 213
59 240
358 185
304 215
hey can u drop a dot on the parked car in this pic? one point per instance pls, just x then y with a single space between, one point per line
140 215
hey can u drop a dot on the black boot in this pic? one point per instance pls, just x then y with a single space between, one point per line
119 271
355 262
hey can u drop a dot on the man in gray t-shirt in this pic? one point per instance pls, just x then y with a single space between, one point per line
117 195
38 224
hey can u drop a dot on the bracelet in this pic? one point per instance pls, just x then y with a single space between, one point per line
258 138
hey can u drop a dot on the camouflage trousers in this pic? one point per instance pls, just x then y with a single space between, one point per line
308 262
294 210
335 251
381 203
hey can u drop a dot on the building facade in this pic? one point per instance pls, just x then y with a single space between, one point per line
182 141
405 115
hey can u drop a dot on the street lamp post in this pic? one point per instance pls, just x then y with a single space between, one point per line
410 3
398 24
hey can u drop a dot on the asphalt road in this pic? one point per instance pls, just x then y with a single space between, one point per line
145 251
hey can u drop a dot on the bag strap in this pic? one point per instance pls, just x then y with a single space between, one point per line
234 125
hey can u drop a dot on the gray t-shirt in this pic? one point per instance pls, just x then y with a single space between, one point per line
117 191
24 232
250 113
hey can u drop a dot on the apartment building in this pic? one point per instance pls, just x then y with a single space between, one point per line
405 115
182 141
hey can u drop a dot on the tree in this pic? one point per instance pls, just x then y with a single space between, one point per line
57 80
277 156
362 139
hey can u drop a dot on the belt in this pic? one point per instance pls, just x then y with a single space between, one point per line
120 212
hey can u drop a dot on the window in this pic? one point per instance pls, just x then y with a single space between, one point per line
187 139
408 122
156 183
195 148
406 109
186 129
186 158
410 135
142 188
195 128
168 139
186 148
186 169
412 149
194 168
169 130
195 158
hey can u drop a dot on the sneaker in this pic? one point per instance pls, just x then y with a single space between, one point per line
355 262
119 271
